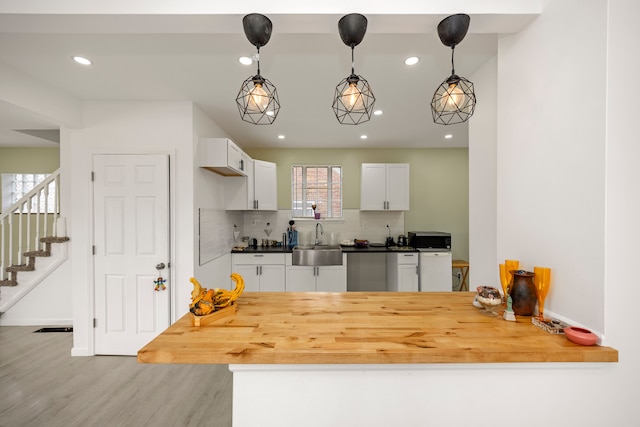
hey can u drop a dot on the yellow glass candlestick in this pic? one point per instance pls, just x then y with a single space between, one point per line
504 280
542 281
511 265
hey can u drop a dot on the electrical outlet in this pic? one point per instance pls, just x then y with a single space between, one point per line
459 276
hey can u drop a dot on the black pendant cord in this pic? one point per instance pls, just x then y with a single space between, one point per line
258 60
453 68
352 60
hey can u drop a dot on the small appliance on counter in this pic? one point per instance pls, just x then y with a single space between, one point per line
435 260
430 240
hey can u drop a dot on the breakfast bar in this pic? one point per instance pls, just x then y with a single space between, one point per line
293 354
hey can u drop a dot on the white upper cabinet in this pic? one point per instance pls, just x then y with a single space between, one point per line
222 156
257 191
384 186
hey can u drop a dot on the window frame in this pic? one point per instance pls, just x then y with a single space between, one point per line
330 187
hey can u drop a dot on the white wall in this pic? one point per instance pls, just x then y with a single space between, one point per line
209 194
483 160
551 146
125 127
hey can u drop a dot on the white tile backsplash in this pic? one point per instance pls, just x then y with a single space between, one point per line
354 225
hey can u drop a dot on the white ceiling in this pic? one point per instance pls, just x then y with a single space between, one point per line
195 58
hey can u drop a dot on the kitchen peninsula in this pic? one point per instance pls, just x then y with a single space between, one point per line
292 352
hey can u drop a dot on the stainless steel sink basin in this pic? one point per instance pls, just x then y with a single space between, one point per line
317 255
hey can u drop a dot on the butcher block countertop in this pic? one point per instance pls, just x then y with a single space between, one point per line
363 328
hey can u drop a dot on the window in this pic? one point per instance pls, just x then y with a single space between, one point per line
316 185
16 185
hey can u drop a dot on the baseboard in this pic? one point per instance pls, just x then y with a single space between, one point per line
36 322
80 351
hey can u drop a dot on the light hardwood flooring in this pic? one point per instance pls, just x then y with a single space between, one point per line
42 385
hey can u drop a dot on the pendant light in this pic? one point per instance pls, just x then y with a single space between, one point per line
353 100
454 101
258 100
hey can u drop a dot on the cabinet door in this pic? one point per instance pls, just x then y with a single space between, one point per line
265 185
397 187
250 275
373 181
272 278
235 156
408 278
300 279
331 278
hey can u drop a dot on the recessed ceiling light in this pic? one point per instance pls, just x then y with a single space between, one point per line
448 136
280 136
412 60
377 112
245 60
82 60
363 137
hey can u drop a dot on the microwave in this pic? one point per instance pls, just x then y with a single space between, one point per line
430 240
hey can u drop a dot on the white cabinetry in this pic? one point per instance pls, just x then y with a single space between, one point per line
384 186
222 156
261 272
326 278
257 191
403 272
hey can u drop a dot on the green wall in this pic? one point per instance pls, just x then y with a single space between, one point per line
439 183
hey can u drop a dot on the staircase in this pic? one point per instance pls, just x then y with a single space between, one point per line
28 229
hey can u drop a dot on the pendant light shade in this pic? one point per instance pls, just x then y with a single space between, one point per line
257 100
353 99
454 101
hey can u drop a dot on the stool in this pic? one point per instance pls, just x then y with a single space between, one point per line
464 269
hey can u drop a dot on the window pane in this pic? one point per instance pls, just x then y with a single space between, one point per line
316 185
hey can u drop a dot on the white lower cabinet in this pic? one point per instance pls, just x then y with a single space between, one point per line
403 272
326 278
261 272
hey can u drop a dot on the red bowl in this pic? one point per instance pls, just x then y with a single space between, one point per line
580 335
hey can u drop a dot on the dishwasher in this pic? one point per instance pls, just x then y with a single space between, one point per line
435 271
435 260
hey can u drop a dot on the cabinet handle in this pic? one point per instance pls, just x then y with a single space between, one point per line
261 270
258 255
257 270
241 164
417 270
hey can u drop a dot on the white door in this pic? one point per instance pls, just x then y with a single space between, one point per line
265 185
435 272
300 278
272 278
398 186
131 218
331 278
373 187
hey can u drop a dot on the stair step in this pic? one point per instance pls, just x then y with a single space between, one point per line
37 253
54 239
31 255
8 282
22 267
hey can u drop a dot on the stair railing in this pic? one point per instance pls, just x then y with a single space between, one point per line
27 221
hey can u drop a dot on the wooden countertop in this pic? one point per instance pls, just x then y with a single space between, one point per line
363 328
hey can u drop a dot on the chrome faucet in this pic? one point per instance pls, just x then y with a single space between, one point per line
321 232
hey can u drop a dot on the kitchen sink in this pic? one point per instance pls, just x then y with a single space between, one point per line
317 255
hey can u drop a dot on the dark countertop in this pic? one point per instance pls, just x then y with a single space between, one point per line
345 249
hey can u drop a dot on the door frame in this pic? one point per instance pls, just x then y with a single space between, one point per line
91 242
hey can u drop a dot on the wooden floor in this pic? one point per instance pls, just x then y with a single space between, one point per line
42 385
